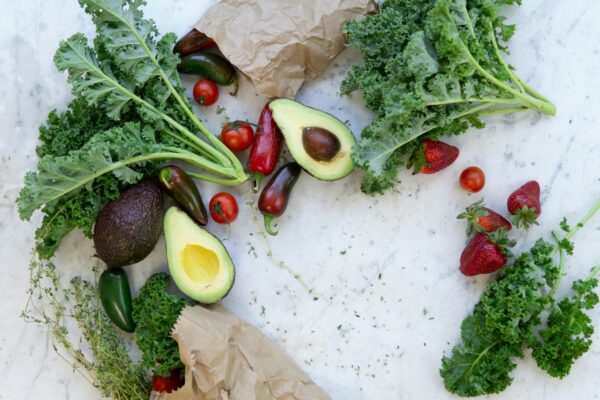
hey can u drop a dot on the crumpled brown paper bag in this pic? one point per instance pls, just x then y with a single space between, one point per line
279 44
228 359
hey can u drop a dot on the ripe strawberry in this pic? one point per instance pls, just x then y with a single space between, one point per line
485 253
524 204
438 155
483 220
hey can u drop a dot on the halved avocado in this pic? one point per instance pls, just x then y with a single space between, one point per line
319 142
198 261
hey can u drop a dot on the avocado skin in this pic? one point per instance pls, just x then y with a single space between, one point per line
175 266
293 129
128 228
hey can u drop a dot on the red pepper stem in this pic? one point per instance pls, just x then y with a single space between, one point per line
257 178
268 220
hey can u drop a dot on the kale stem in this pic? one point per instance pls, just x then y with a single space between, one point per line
561 264
543 106
579 225
510 72
126 92
193 159
193 145
502 111
533 91
593 272
230 159
179 154
213 180
474 100
583 221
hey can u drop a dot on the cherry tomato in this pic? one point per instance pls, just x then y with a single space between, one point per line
237 136
206 92
472 179
223 208
167 384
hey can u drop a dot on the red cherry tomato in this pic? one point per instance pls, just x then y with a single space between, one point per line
223 208
206 92
167 384
237 136
472 179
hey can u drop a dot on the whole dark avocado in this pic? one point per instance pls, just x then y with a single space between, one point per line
128 228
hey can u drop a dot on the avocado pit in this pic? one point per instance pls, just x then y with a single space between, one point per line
320 144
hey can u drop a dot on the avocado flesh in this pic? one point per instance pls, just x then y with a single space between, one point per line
292 118
198 262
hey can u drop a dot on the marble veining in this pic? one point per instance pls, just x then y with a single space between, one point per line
387 297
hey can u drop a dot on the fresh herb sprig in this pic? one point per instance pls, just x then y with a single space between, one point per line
431 68
509 317
100 354
130 113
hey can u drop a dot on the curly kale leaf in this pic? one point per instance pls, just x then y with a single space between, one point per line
431 68
509 308
502 321
79 211
481 365
117 151
155 312
569 330
512 313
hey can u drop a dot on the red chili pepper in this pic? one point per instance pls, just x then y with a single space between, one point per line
274 197
266 148
193 42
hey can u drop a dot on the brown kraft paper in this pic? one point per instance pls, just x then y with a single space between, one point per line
228 359
279 44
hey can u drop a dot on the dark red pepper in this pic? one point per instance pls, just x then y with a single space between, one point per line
178 184
274 197
192 42
266 147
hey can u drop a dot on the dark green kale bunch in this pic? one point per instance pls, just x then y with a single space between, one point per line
155 312
431 68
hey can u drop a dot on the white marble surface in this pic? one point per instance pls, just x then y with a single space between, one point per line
390 297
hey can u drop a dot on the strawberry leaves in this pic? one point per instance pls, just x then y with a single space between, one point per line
481 219
525 206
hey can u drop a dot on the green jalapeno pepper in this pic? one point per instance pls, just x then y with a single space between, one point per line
115 296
